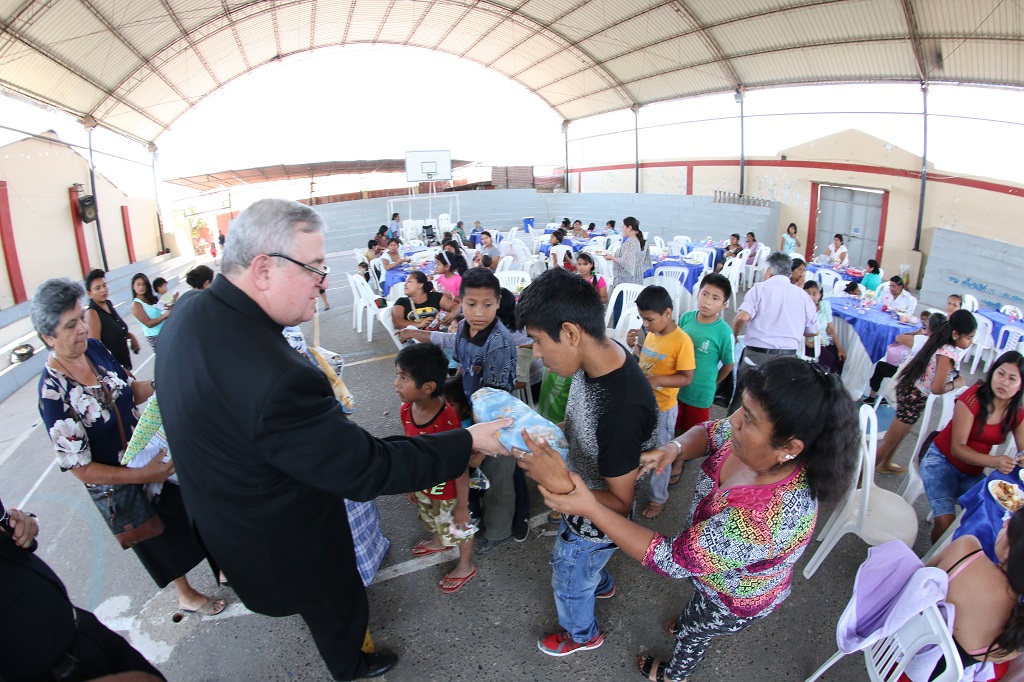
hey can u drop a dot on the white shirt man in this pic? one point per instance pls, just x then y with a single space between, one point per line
898 297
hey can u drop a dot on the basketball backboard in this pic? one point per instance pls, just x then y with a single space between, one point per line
428 165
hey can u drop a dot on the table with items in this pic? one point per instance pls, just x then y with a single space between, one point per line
398 274
688 278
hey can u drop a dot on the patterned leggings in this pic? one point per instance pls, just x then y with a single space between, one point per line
700 621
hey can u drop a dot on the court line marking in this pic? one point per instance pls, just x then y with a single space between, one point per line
377 359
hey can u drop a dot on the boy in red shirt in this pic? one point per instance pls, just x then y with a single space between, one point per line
443 509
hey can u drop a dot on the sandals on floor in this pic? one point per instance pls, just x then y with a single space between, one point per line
675 478
649 665
210 607
894 469
652 510
421 549
455 584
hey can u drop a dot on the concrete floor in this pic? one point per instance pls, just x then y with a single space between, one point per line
486 631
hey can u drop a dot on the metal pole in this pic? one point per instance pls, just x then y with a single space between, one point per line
156 196
92 188
924 166
739 99
565 132
636 145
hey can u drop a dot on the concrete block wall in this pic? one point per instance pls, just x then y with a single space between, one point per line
352 223
990 271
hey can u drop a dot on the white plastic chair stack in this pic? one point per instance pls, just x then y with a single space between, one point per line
970 303
513 279
628 294
527 261
504 264
732 269
384 315
875 515
913 486
887 659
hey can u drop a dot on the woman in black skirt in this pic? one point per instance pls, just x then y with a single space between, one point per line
87 401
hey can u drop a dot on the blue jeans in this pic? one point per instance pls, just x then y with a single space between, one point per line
577 575
944 483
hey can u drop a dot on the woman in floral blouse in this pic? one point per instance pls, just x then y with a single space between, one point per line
793 442
83 395
631 261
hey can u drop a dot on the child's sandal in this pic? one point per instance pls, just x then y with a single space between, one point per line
651 668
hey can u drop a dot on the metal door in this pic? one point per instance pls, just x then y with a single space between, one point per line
854 213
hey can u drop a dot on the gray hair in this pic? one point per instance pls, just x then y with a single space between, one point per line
52 299
778 263
267 226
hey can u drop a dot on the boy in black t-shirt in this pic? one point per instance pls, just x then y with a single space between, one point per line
610 418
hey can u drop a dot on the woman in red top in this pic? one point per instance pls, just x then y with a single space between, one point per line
984 416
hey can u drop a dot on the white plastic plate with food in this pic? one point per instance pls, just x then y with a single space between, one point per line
1007 495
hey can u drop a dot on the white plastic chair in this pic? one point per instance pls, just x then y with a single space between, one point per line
526 260
658 242
504 264
875 515
384 315
600 243
680 296
914 486
415 242
557 255
396 293
887 658
828 280
983 346
614 241
513 279
524 357
970 303
759 265
1009 339
444 223
671 272
629 319
369 298
358 303
796 255
884 287
682 239
1011 310
706 257
732 269
377 273
360 258
628 293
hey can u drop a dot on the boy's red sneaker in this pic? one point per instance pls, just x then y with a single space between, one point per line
561 644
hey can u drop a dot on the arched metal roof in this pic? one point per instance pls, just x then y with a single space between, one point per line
137 65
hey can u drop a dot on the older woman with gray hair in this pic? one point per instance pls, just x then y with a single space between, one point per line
87 401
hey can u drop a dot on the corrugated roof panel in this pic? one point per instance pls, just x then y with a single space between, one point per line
223 56
125 118
367 16
526 54
257 36
652 27
598 14
192 13
294 24
974 62
502 38
144 23
331 18
401 21
835 22
689 81
598 103
552 69
668 56
875 61
962 19
711 12
468 31
546 11
189 74
32 74
439 20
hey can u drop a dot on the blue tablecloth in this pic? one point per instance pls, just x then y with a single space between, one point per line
474 237
410 250
875 328
690 246
983 516
689 278
998 320
814 268
401 273
546 248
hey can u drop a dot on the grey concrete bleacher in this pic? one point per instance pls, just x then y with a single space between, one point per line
991 272
16 323
352 223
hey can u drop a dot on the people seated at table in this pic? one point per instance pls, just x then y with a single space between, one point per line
488 248
753 246
448 271
586 269
373 250
460 230
609 227
792 444
984 415
798 273
872 275
897 297
392 258
954 302
422 307
578 232
902 349
591 227
837 254
789 242
831 355
382 237
852 289
988 625
556 238
730 250
935 369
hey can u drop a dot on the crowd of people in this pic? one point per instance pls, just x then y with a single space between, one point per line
261 438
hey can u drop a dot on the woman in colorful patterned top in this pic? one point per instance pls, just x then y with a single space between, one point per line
793 442
87 401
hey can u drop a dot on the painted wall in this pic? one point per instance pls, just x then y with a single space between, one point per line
974 206
996 284
38 174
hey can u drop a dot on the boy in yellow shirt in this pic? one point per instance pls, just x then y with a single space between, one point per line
667 360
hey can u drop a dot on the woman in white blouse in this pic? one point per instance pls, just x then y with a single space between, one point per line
837 253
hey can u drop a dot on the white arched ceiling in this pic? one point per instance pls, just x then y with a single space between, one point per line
137 65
